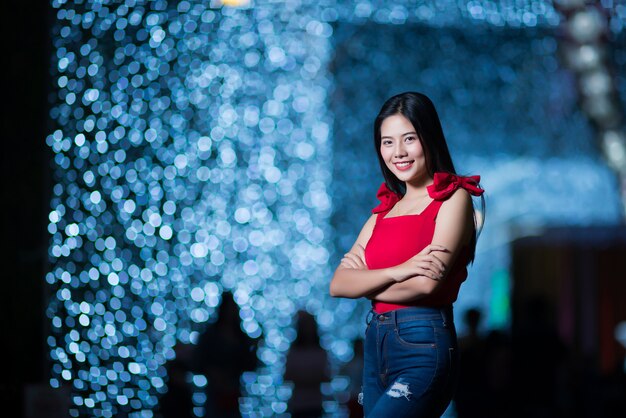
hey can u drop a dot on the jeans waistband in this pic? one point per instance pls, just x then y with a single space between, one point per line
413 313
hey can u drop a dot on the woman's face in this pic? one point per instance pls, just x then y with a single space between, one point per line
401 149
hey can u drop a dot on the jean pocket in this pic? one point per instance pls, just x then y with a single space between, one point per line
416 335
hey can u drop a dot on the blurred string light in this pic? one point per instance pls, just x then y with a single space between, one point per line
198 383
192 155
235 3
585 45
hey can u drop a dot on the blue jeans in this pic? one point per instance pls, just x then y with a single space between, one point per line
411 363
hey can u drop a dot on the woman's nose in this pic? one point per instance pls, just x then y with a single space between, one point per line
400 151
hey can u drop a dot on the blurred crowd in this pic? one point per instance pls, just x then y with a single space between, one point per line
526 373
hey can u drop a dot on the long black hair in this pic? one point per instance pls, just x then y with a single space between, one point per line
421 112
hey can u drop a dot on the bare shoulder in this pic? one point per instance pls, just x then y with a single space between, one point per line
369 226
458 203
371 221
455 219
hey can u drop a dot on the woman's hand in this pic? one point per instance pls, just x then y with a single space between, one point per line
425 263
355 260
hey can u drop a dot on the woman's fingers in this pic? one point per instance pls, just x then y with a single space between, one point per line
346 262
423 264
436 263
433 247
431 268
353 260
428 270
419 271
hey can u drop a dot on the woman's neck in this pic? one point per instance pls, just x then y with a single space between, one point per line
417 188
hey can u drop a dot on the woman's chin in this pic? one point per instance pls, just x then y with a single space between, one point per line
405 176
412 178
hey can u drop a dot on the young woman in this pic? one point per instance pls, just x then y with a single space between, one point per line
410 259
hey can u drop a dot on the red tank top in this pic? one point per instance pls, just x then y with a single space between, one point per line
396 239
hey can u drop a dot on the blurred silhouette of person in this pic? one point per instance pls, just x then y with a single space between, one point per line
176 403
354 371
307 368
611 389
471 397
498 375
539 358
485 372
223 353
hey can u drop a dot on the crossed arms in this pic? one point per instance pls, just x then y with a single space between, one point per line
417 277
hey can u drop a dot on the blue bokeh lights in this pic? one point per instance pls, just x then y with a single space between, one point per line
193 154
187 162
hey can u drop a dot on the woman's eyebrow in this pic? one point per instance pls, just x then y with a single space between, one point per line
408 133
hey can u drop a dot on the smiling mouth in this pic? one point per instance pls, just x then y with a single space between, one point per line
404 165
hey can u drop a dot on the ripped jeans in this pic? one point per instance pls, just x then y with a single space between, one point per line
411 363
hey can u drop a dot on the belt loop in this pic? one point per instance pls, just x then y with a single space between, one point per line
394 313
369 316
444 316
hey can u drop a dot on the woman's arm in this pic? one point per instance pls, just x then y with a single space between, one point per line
352 279
452 231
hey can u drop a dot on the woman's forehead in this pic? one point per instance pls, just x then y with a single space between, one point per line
396 125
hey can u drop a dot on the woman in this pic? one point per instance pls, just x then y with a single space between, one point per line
410 259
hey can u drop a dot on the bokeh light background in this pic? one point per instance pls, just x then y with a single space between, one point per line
200 148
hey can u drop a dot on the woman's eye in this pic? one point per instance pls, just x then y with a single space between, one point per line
409 138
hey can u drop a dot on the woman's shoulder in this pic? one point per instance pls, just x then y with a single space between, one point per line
459 198
457 203
371 222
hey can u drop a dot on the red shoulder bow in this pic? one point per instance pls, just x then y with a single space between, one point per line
387 199
444 184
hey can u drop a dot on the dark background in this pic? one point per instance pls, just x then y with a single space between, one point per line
26 181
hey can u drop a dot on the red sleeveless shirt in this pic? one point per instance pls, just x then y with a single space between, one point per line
396 239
